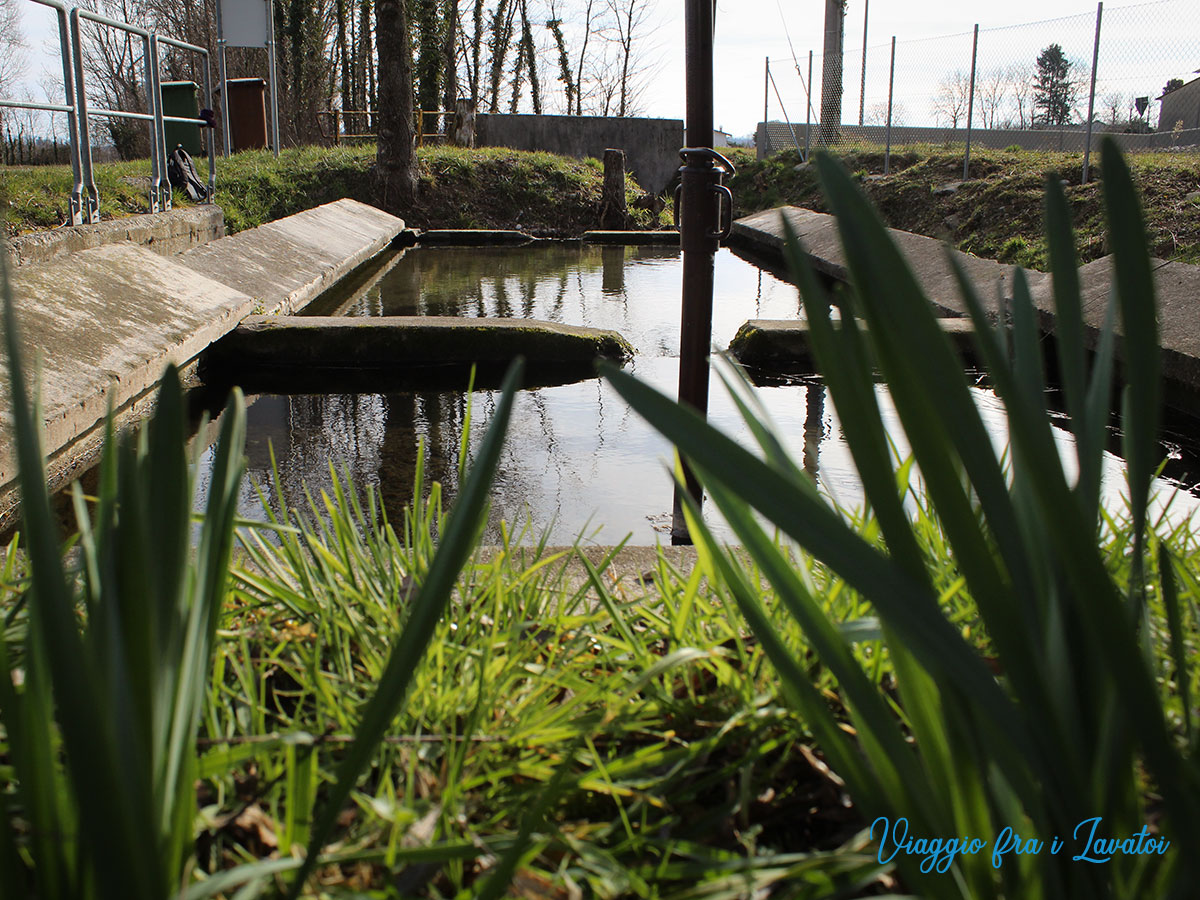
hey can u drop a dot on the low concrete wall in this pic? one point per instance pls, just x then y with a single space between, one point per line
651 145
165 233
772 137
99 327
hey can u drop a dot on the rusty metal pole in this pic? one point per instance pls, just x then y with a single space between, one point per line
700 229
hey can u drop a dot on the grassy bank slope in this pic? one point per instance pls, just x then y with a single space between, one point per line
484 188
998 213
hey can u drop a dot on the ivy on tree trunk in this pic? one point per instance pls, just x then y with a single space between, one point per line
395 162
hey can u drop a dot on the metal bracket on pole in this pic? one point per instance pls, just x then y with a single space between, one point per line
971 101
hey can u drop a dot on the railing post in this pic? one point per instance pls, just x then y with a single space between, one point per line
1087 145
161 181
64 46
971 101
91 202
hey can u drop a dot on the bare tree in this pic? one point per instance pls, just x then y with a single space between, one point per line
1112 106
991 90
629 20
12 59
953 96
1020 88
115 75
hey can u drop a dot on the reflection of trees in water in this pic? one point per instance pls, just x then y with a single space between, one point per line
440 280
375 438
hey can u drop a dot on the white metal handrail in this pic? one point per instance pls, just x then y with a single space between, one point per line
85 199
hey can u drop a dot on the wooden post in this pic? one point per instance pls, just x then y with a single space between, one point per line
463 134
613 213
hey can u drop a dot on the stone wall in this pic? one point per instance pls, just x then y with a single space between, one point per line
166 233
651 145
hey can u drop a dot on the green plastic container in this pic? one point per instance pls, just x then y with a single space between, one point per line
180 98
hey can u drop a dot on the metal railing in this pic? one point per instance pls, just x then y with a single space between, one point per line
85 198
440 132
64 42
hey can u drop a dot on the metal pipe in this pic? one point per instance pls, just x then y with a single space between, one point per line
808 106
766 90
698 229
971 101
274 76
887 153
1087 146
160 183
89 198
48 107
73 134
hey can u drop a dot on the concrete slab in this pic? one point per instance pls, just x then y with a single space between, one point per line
1177 285
472 237
286 263
783 345
668 238
100 328
388 342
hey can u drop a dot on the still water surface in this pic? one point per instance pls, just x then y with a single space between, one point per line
577 460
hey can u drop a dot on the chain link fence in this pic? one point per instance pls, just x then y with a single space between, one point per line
1027 86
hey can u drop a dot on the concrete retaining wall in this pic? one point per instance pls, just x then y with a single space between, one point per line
651 145
166 233
772 137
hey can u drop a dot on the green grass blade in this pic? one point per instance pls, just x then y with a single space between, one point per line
427 607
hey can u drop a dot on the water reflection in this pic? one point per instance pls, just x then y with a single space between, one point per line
576 458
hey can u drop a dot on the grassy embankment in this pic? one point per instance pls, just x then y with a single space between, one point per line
998 213
490 187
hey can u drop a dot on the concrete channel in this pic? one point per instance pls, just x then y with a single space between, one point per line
100 324
782 345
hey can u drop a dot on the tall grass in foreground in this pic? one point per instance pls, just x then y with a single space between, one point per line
113 671
1064 723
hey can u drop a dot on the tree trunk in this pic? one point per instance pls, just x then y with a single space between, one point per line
449 56
831 72
395 162
613 212
463 134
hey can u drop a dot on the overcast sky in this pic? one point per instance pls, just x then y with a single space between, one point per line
1142 46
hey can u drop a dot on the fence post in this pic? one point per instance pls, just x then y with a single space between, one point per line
766 89
887 153
862 87
808 106
971 101
1087 144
